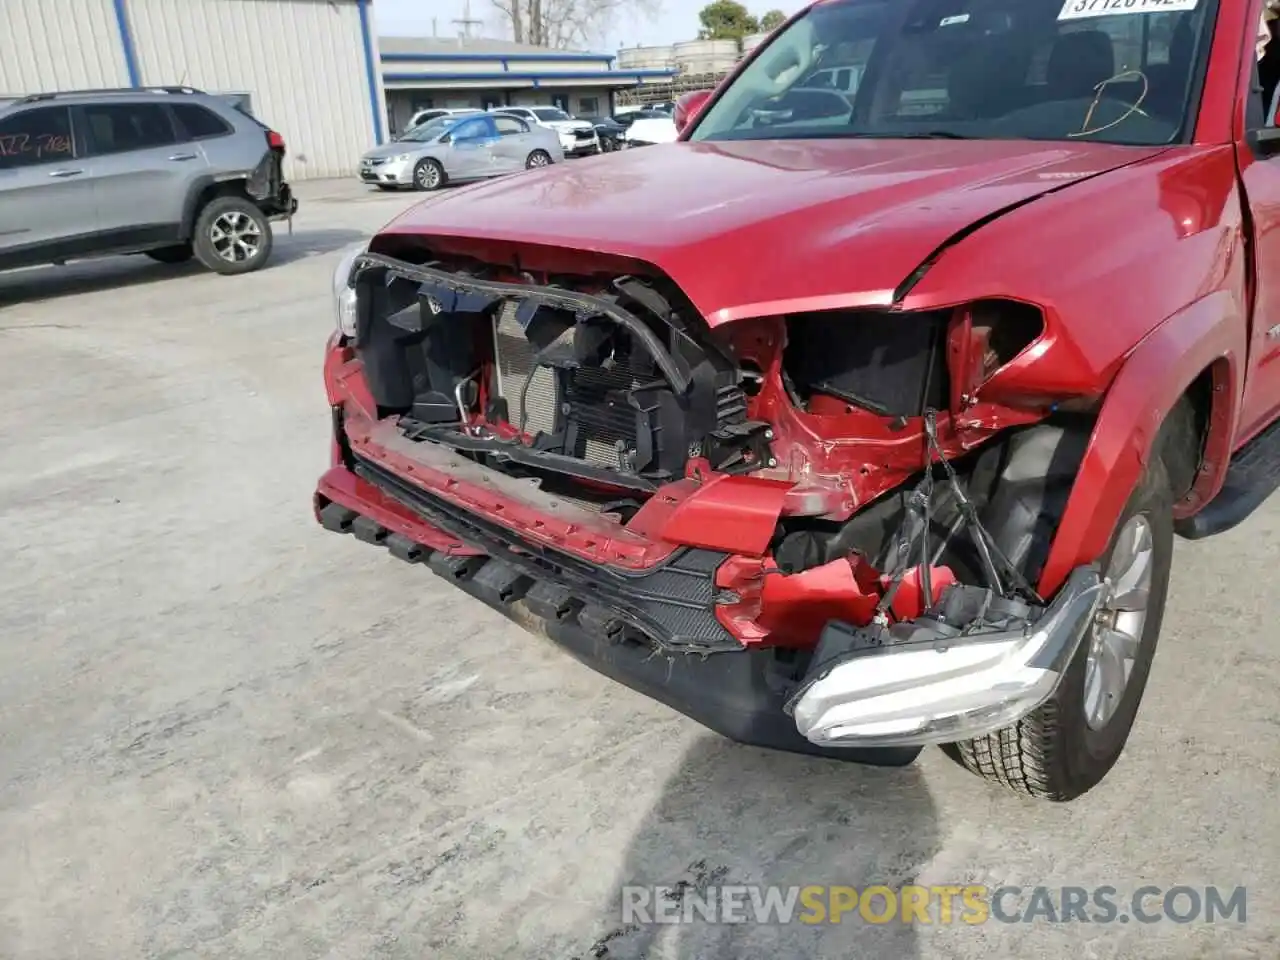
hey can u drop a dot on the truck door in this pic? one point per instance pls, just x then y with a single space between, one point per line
1260 174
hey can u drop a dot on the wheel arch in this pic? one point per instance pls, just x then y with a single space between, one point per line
1186 371
205 189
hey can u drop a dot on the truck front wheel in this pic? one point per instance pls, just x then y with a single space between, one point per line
1065 747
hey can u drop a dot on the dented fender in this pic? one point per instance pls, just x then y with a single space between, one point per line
1155 374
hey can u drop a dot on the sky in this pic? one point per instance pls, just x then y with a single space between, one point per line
676 20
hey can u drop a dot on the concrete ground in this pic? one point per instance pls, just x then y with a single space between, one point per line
226 733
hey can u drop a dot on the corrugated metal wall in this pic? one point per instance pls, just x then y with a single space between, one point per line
59 45
302 61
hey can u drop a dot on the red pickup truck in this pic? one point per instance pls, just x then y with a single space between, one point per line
852 421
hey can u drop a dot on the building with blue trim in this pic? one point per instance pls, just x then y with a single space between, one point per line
314 70
434 72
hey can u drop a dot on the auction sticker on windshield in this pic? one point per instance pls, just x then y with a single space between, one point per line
1079 9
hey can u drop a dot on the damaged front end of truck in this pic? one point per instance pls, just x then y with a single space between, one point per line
820 531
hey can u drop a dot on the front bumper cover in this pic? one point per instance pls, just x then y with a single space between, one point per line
388 171
573 147
738 694
947 684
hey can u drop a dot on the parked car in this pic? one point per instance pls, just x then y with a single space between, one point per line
577 137
171 172
647 130
458 149
435 113
610 131
663 108
853 437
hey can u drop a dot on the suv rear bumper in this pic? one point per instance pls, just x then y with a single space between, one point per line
281 206
739 694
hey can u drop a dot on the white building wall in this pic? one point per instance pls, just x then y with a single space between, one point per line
301 61
59 45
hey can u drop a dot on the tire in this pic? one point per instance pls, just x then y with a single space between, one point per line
178 253
428 175
1055 753
232 236
539 158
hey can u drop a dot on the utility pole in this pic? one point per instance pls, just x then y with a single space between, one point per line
466 21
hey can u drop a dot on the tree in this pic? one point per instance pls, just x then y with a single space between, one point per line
772 20
562 24
726 20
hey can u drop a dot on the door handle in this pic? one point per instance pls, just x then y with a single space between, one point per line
183 156
65 173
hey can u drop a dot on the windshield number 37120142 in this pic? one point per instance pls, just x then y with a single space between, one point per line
1079 9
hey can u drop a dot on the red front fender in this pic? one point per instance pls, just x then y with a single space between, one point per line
1208 334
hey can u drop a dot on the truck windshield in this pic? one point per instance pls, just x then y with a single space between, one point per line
1112 71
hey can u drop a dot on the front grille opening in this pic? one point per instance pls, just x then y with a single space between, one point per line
610 386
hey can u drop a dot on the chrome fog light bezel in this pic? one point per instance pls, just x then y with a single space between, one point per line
917 695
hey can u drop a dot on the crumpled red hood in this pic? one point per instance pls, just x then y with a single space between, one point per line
751 228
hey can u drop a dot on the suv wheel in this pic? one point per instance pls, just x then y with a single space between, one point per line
1067 746
232 236
178 253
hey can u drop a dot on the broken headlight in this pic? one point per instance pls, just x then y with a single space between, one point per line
984 337
344 293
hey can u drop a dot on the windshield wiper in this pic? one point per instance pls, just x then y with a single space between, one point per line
931 135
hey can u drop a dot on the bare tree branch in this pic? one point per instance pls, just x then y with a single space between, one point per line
562 24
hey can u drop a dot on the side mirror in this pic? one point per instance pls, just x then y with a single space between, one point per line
1265 141
688 106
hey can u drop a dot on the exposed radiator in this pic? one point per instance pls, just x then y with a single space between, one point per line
604 433
514 357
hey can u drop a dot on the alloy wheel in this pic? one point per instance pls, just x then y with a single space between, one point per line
235 236
1118 627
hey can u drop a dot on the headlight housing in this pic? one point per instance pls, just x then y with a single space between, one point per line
344 293
399 158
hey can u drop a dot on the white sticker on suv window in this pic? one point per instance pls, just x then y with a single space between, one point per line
1079 9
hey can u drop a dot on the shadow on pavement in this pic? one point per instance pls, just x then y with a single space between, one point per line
309 243
111 273
739 815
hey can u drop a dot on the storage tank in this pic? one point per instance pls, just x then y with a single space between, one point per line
645 58
706 56
751 41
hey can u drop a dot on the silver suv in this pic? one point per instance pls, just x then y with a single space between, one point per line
171 172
